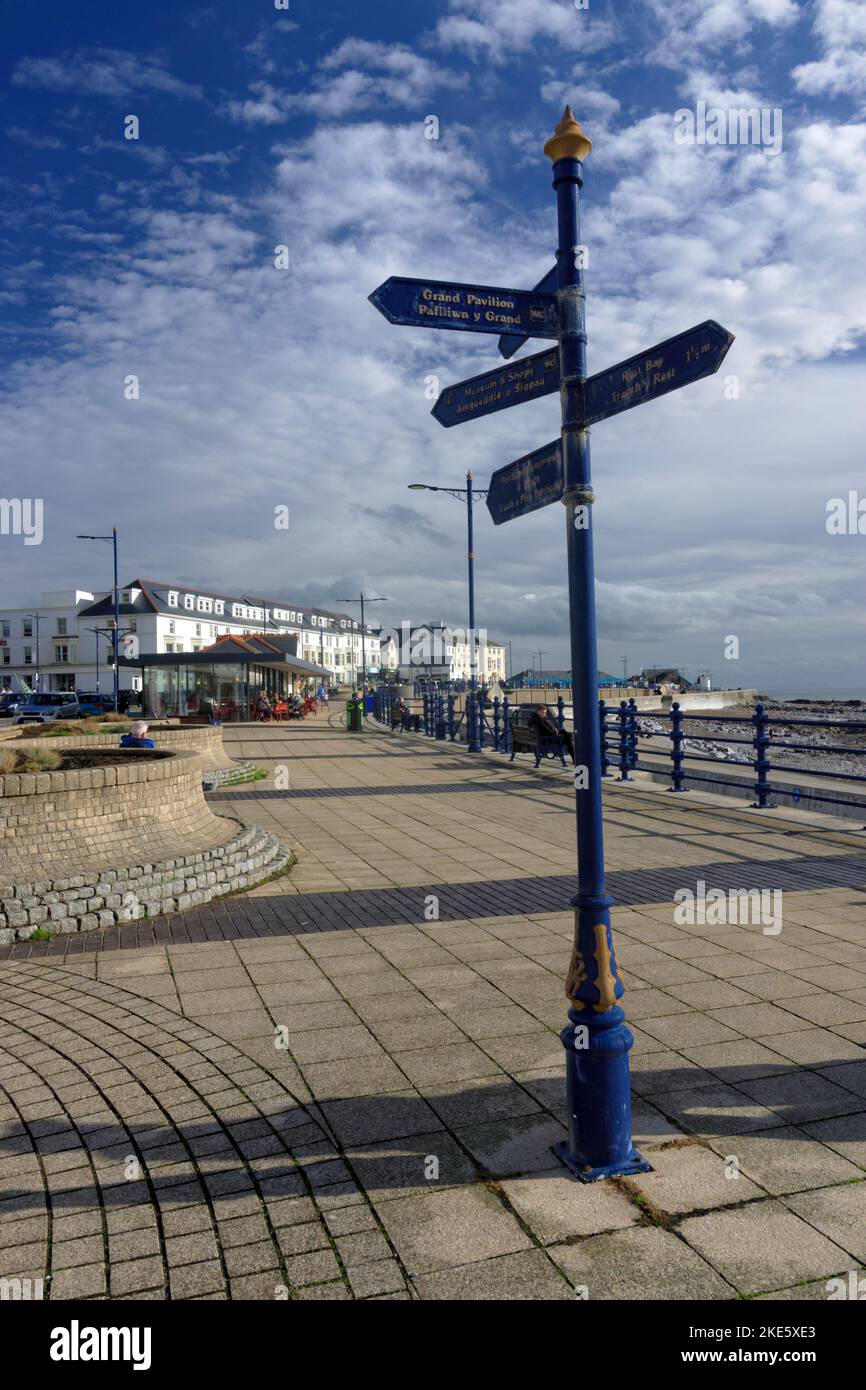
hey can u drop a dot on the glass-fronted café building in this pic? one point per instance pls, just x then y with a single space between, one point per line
227 680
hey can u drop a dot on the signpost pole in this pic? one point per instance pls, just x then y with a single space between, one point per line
596 1040
472 706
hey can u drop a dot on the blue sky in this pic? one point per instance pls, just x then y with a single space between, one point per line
261 387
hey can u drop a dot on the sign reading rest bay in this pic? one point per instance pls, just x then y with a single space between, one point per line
468 308
676 362
504 386
526 485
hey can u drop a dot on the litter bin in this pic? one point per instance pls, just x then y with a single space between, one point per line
354 716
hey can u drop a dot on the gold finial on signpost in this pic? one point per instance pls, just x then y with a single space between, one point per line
568 141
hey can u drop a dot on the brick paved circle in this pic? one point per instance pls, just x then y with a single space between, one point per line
141 1156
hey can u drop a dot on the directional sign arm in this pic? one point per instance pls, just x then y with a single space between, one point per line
523 380
676 362
526 485
467 308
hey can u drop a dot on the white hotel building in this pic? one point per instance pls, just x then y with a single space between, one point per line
74 631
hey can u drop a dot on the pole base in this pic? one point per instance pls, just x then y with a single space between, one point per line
635 1163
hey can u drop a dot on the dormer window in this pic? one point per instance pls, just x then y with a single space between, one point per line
172 598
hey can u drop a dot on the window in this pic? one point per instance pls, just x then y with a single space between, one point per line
7 656
198 629
171 625
133 625
61 627
125 596
64 682
61 653
28 627
28 656
6 629
172 599
219 607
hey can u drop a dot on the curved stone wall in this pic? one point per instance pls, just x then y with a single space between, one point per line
90 847
137 810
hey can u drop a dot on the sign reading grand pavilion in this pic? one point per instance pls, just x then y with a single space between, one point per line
504 386
470 308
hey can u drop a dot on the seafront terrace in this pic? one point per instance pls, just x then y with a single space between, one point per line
346 1083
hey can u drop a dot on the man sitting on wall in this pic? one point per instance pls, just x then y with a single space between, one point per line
542 722
137 737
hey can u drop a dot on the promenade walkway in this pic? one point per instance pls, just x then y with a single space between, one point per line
346 1083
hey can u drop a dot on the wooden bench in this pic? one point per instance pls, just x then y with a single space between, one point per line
525 739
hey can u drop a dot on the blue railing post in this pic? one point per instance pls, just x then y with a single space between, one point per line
632 733
624 747
441 731
604 743
452 723
473 721
497 743
761 742
560 713
678 756
506 726
427 719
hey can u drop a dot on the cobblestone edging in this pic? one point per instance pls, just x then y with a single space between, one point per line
82 902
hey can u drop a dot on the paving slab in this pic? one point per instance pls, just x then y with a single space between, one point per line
763 1246
459 1226
643 1263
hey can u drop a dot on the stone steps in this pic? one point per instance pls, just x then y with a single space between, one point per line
85 901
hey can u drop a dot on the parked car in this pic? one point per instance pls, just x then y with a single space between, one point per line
44 707
10 703
92 703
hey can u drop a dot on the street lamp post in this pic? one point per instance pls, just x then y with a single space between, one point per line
99 631
116 634
36 617
469 493
362 600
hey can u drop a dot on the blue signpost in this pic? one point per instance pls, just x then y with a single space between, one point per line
596 1040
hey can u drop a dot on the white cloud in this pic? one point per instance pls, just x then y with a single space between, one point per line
105 72
840 26
495 28
356 76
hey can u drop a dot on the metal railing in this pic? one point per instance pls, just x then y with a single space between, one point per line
620 731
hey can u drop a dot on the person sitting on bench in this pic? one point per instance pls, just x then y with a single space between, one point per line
544 725
137 737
